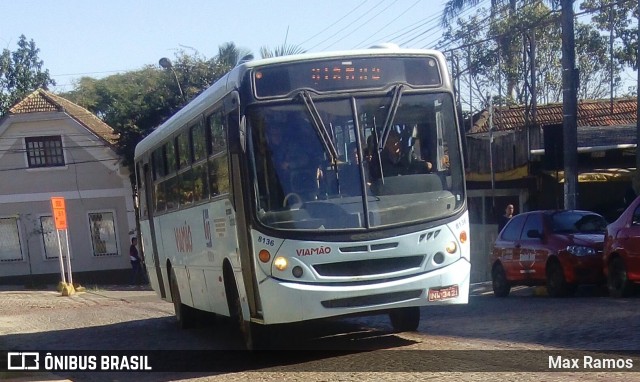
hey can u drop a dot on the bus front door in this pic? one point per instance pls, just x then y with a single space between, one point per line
154 247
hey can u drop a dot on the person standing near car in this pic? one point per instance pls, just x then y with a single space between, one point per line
504 219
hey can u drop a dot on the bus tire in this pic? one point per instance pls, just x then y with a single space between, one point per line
254 336
185 315
405 319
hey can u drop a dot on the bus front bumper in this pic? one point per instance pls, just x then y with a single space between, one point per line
292 302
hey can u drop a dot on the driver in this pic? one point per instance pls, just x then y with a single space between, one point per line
398 158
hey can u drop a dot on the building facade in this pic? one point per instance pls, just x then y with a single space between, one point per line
50 147
514 161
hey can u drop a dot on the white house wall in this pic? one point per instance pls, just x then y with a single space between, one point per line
91 181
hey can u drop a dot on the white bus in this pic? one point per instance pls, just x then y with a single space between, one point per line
310 186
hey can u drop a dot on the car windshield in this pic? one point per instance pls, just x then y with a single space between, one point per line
321 163
577 222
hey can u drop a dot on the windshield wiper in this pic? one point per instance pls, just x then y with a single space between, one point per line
381 140
325 137
391 114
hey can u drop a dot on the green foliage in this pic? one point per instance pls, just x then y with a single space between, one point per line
617 17
21 72
136 102
279 51
492 53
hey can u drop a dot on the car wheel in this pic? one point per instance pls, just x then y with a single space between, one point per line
618 282
501 286
405 319
185 315
556 284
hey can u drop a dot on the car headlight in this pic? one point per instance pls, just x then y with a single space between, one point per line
579 250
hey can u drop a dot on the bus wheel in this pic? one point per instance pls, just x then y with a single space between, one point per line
405 319
618 283
254 335
185 315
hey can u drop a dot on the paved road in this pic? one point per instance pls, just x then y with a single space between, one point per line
489 334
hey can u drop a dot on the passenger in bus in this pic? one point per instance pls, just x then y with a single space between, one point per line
397 159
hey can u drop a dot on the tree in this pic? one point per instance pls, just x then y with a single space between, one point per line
615 17
136 102
21 72
282 50
229 55
493 61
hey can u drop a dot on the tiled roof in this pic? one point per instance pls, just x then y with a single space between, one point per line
590 113
44 101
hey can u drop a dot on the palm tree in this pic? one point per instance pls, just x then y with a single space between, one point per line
282 50
229 55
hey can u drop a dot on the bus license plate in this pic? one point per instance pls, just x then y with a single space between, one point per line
443 293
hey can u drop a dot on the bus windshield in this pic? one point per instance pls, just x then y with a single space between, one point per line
355 163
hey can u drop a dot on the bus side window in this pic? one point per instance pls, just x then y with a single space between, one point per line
218 164
200 178
161 198
159 171
142 196
185 179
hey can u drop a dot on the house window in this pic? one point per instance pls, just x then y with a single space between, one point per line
44 151
50 238
103 234
9 240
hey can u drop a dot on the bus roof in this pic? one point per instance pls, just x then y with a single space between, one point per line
231 80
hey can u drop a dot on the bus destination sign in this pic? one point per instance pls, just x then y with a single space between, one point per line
345 74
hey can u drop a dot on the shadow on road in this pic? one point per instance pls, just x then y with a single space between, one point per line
213 347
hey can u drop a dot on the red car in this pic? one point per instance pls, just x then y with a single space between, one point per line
559 249
622 251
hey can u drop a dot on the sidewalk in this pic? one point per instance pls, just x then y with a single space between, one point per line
16 298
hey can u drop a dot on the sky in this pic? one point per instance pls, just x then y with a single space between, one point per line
97 38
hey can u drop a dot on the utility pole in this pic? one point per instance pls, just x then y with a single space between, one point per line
569 106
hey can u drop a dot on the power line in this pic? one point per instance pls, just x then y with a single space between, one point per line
366 22
360 44
433 26
334 23
113 160
333 35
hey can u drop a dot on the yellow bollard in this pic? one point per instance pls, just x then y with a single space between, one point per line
68 290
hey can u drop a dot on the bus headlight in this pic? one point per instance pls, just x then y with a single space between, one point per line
451 247
280 263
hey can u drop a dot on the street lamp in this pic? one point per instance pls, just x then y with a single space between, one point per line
165 63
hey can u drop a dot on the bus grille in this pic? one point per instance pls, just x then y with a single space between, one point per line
369 267
376 299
